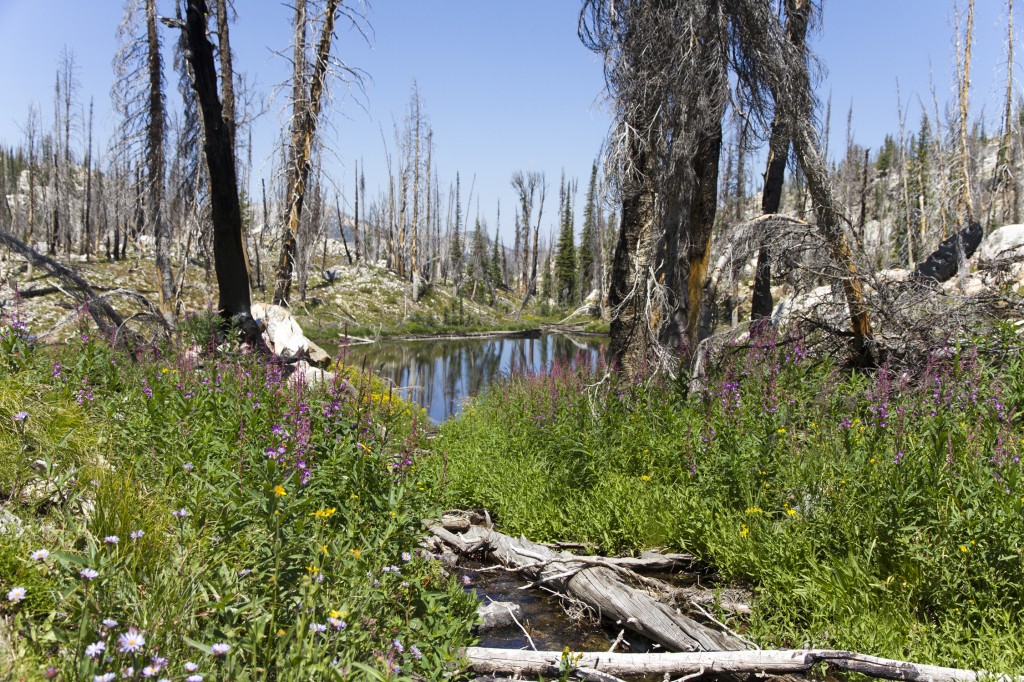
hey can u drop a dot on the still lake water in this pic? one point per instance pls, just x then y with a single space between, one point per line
439 374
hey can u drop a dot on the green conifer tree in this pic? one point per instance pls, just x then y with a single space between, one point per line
585 254
565 259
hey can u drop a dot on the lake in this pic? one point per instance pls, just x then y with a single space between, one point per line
439 374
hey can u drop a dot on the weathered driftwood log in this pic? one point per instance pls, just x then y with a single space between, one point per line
597 584
514 661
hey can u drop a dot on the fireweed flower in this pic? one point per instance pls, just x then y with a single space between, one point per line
131 641
16 595
95 649
220 648
39 555
88 573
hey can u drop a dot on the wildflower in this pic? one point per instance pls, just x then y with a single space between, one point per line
51 673
325 513
180 513
356 553
398 646
279 490
95 649
781 430
406 556
317 627
194 678
136 534
150 671
336 623
16 595
744 531
313 569
106 677
131 641
158 662
220 648
466 580
88 573
39 555
190 667
21 416
963 548
110 622
415 651
754 510
791 512
111 540
645 478
187 466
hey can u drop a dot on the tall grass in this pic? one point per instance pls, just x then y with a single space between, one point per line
882 513
201 516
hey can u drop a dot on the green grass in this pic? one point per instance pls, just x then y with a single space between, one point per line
246 510
880 513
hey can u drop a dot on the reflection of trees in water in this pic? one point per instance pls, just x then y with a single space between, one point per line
439 374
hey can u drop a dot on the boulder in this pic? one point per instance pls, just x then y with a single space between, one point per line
1005 242
284 336
497 615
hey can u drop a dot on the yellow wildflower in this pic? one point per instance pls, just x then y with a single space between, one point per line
356 553
324 513
313 569
791 512
744 531
279 490
164 370
781 430
754 510
645 478
324 547
963 548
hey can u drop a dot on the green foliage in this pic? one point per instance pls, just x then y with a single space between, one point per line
199 501
881 514
565 258
588 238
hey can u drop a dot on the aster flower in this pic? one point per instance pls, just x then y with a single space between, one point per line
39 555
187 466
398 646
337 623
180 513
194 678
88 573
406 556
136 534
16 595
150 671
95 649
220 648
109 622
111 540
191 667
415 651
466 580
131 641
317 627
21 416
106 677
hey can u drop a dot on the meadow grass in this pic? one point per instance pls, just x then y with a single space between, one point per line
879 512
189 516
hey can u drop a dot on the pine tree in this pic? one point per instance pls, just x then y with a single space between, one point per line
456 240
565 260
585 254
496 272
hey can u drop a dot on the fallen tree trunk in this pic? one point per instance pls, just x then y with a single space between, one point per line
597 583
777 662
105 317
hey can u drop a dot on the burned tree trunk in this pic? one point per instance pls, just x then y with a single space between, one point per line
155 165
302 155
230 262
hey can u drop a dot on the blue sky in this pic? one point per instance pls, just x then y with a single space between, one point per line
507 86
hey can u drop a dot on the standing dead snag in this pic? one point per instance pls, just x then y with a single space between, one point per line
229 258
302 150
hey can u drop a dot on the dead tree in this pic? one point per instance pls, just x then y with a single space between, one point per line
303 136
230 262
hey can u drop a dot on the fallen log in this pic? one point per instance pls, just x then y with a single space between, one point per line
773 662
597 584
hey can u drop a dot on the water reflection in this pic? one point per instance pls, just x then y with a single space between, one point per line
440 374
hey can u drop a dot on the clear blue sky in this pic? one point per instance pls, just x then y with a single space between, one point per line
507 86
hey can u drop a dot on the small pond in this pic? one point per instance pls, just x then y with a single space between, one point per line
439 374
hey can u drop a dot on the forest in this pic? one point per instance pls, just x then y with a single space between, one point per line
730 403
